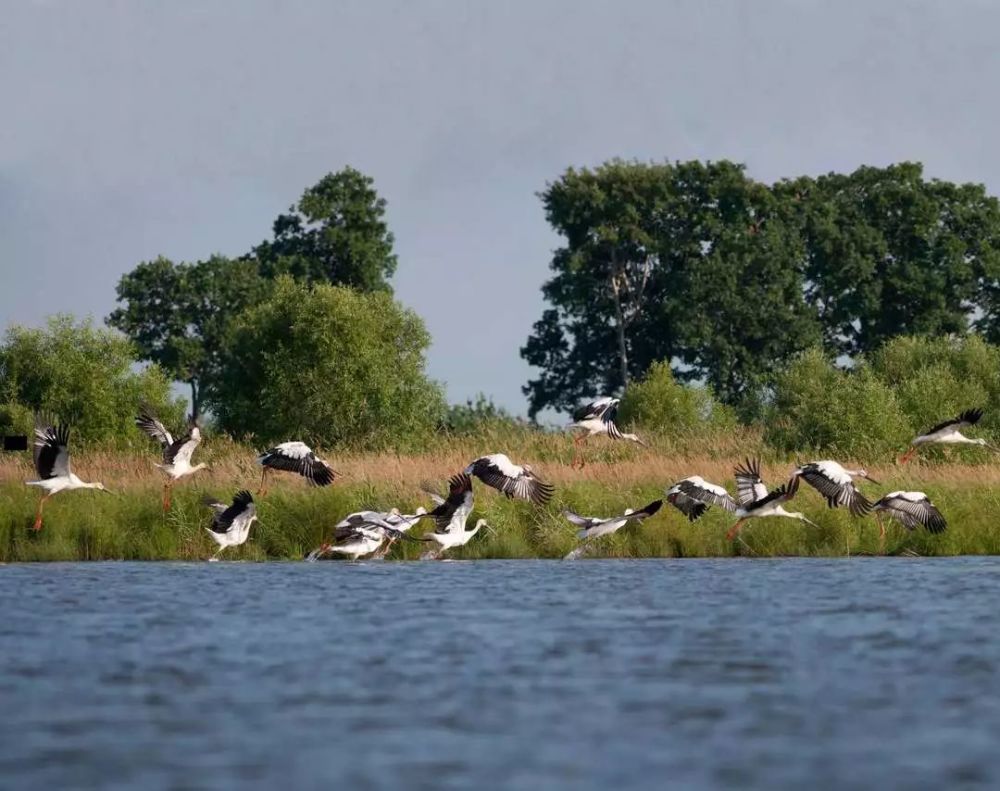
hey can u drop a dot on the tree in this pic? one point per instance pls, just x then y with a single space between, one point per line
178 314
328 365
79 374
335 234
888 253
710 263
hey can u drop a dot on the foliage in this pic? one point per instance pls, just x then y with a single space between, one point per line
335 234
178 314
474 417
659 402
817 407
330 366
81 375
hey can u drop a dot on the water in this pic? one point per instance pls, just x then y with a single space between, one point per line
517 674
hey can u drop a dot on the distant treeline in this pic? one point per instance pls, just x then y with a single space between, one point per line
721 300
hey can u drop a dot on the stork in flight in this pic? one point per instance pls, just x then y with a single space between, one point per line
452 515
295 457
836 484
51 455
949 433
231 523
514 480
595 418
910 509
753 499
592 527
176 452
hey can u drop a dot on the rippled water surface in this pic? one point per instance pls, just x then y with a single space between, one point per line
506 674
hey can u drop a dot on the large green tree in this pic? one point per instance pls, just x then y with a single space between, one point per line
328 365
889 253
80 374
336 234
178 314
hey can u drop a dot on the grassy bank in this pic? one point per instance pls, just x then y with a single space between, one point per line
130 525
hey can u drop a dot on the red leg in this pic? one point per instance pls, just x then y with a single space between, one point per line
263 479
38 513
735 529
166 497
907 456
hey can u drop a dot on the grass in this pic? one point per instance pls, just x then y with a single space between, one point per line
130 524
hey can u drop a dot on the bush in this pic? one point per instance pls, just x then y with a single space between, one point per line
817 407
476 417
660 403
330 366
82 375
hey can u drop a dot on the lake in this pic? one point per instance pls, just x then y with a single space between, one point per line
502 674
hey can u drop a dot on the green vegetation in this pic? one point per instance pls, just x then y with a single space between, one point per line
338 366
83 374
729 279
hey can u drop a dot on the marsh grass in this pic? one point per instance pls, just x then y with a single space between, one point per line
294 519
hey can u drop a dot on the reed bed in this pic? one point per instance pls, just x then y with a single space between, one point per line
130 524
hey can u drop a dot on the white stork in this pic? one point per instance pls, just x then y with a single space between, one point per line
299 458
364 532
598 417
592 527
51 454
909 509
754 500
452 515
176 453
949 433
836 484
231 523
513 480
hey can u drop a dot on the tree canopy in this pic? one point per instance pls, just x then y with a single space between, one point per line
178 314
79 374
329 365
728 279
335 234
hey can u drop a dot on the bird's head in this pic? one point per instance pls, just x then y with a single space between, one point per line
420 510
863 473
483 524
636 440
101 487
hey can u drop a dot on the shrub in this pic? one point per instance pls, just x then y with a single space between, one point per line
80 374
817 407
475 417
330 366
659 402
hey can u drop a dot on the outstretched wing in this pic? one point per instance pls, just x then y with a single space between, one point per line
51 450
581 521
917 509
750 485
836 486
179 451
707 493
149 423
242 502
646 511
968 418
459 496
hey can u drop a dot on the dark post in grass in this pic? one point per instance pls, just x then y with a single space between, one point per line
15 442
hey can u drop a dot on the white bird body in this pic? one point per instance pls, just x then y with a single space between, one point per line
949 433
514 480
910 509
231 524
456 535
452 515
836 483
176 453
299 458
594 526
51 457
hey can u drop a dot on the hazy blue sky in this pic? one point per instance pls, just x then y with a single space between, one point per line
133 129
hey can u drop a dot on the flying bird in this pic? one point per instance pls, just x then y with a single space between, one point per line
693 496
231 523
910 509
949 433
513 480
299 458
598 417
592 527
51 454
451 516
176 452
836 484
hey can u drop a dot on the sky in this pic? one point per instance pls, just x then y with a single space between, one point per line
130 130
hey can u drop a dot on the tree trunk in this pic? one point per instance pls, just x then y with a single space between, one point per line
622 351
195 406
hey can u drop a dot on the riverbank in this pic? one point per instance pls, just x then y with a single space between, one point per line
294 518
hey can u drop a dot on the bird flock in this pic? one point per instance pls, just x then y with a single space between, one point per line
373 533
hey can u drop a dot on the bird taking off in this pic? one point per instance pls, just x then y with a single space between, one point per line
836 484
596 418
948 433
51 453
176 452
513 480
231 523
299 458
